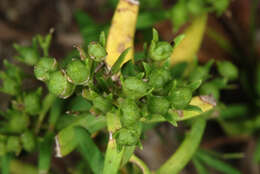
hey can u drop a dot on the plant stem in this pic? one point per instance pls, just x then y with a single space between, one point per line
113 157
5 163
134 159
186 150
47 103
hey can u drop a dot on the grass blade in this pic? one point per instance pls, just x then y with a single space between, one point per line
45 151
200 168
116 67
5 163
89 150
215 163
65 139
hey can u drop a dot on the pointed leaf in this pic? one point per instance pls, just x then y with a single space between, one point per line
216 163
89 150
116 67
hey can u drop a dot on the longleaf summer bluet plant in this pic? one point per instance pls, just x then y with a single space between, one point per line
105 88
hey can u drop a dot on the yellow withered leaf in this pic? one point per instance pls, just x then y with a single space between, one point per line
190 45
122 30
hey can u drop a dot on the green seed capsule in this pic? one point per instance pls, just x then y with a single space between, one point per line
160 51
159 77
59 85
102 104
28 55
228 70
209 89
127 137
28 141
32 102
13 145
18 122
158 105
77 72
134 88
44 67
180 98
96 51
130 112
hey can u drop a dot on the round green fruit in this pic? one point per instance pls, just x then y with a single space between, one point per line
77 72
180 97
130 112
59 85
158 105
134 88
127 137
44 67
96 51
158 78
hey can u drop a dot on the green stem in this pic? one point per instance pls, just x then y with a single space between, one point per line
5 162
55 112
47 103
186 150
134 159
113 157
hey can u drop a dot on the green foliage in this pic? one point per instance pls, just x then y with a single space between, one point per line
28 55
32 103
28 141
215 163
228 70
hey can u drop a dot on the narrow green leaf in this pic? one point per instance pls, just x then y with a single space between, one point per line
257 151
177 40
155 35
200 168
45 151
89 150
216 163
46 105
102 39
79 104
193 108
5 163
116 67
194 85
128 152
147 69
55 112
65 139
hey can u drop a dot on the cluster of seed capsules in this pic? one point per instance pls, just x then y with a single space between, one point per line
137 91
143 89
